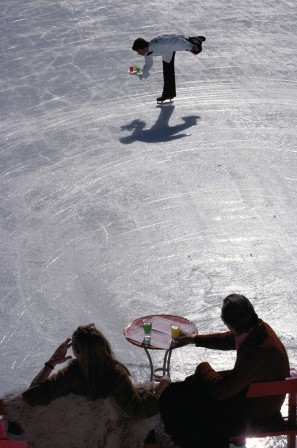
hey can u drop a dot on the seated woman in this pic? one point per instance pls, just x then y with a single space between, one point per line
94 373
209 406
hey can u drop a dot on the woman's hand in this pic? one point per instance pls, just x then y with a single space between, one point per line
185 339
59 356
164 383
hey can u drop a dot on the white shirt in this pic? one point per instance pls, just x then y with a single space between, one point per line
164 46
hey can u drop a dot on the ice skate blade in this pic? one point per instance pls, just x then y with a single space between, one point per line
169 101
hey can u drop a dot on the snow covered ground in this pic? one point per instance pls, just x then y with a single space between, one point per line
113 207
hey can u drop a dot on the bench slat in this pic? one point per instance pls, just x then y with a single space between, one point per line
272 388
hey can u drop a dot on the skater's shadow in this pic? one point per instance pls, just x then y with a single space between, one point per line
160 131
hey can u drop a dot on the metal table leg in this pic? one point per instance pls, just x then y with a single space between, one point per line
166 365
151 363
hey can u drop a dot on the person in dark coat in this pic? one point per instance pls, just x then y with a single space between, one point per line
165 46
209 406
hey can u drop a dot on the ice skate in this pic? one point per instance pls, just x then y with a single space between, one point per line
164 100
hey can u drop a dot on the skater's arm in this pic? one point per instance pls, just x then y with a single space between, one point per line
148 63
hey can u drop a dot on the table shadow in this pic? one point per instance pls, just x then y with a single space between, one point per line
160 131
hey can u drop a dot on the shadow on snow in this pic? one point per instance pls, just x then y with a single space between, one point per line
160 131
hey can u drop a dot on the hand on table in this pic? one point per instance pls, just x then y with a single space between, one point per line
185 339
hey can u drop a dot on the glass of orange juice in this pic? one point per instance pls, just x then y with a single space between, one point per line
175 330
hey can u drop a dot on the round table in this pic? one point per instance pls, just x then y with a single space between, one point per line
161 338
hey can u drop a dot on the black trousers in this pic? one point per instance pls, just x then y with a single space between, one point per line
169 90
195 419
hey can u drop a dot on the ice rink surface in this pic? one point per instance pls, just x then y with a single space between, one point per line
113 207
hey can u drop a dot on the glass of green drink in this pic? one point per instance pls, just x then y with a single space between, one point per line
147 328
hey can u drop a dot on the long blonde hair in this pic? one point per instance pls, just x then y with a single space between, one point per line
95 359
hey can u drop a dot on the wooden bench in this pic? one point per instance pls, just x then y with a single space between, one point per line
287 424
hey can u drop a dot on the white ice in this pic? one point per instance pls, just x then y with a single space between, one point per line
112 207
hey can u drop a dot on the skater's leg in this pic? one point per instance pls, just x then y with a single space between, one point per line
197 40
169 90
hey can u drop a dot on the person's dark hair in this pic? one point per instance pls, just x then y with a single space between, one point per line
95 359
238 312
139 44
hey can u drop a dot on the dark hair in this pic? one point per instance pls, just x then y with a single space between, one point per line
139 44
238 312
95 359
